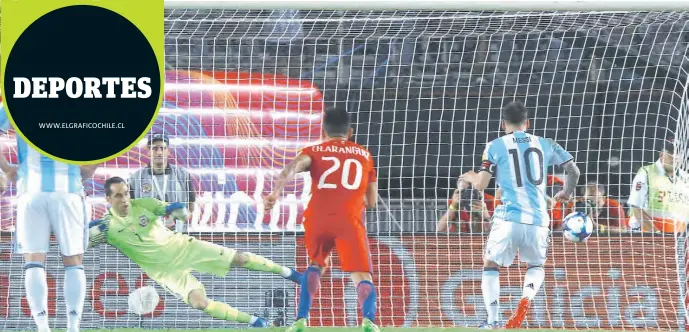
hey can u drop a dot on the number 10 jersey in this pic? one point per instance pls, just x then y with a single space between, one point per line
521 162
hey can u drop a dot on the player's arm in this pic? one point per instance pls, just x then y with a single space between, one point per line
9 170
371 197
87 171
300 164
176 210
639 219
481 180
563 158
572 174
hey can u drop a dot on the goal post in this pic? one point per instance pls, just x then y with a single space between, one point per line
424 81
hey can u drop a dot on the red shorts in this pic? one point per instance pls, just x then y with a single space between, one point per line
351 243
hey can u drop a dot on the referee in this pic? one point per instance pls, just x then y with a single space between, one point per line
161 180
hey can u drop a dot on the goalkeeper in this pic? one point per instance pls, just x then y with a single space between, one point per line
135 228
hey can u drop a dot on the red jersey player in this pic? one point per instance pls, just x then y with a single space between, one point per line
343 186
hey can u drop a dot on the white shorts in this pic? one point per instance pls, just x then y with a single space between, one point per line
40 214
506 238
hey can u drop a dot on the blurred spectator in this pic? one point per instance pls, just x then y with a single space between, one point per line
469 211
161 180
658 204
606 213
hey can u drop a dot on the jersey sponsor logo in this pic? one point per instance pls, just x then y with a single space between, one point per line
143 221
638 186
146 187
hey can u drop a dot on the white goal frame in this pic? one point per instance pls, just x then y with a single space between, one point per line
580 6
521 5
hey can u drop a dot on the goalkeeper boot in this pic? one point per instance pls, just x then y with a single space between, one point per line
519 314
298 326
369 326
261 322
295 277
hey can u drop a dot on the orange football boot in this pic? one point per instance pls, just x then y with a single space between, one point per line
519 314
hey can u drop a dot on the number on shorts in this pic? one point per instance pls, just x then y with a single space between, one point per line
529 162
346 169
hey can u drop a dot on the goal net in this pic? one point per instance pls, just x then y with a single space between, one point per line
245 90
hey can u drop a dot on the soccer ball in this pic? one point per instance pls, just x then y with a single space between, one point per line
143 300
577 227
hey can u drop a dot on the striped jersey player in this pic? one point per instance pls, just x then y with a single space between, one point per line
50 199
521 223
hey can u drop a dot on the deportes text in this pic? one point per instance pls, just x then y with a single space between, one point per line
87 87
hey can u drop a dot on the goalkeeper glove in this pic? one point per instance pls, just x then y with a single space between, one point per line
177 211
98 232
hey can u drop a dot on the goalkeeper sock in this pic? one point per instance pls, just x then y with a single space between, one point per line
74 293
490 286
308 289
259 263
36 287
366 294
223 311
533 281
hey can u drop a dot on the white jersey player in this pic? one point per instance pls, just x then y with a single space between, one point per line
521 223
50 199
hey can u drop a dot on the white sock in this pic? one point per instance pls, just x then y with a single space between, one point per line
253 319
74 293
533 281
490 286
285 272
36 287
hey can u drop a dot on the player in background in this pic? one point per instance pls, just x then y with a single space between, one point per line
50 199
343 185
136 229
521 223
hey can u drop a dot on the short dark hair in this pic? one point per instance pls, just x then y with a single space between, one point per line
109 182
336 122
515 113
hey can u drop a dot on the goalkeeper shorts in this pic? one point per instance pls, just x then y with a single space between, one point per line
199 256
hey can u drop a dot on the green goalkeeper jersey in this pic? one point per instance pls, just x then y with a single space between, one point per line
143 237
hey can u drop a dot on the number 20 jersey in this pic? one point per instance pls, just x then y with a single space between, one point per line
340 174
521 162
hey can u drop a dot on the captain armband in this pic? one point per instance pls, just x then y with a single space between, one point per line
487 166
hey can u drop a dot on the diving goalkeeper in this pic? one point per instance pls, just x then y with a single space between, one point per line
136 229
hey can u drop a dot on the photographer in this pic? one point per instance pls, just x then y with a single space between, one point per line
607 214
468 211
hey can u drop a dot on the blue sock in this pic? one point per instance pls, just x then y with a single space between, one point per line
309 287
366 294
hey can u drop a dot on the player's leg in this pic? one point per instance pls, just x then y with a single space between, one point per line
211 258
355 258
190 290
32 239
318 247
532 251
499 251
255 262
198 300
68 221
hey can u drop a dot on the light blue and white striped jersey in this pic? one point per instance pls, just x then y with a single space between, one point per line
522 162
37 173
